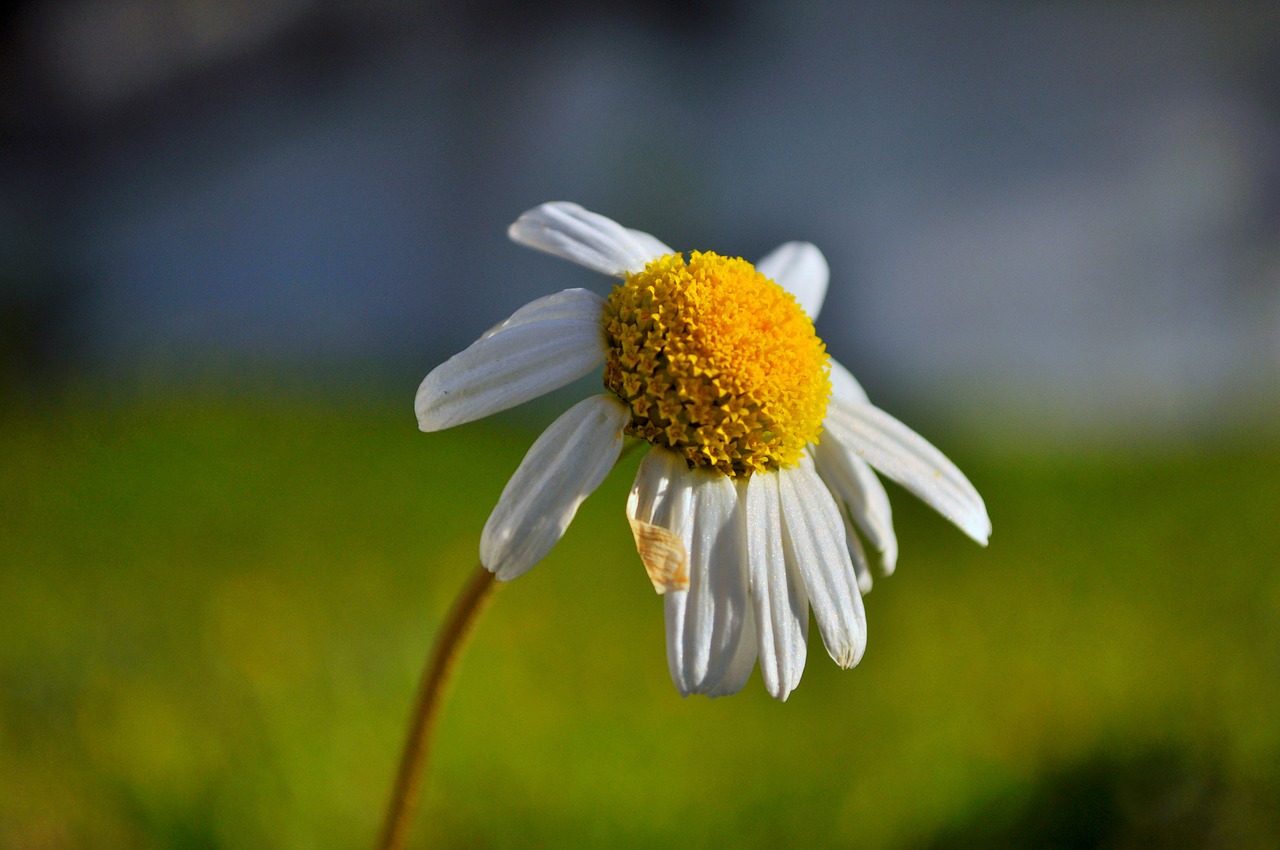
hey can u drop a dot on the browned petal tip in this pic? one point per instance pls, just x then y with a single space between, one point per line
663 554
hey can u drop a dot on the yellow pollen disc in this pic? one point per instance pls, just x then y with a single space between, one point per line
716 362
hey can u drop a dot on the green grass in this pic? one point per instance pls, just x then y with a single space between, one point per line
213 612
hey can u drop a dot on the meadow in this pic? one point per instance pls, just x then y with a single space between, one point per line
214 609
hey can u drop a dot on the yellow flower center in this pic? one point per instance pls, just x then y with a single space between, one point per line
717 362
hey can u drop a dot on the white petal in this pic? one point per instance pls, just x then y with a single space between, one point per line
706 622
799 268
650 244
813 538
742 663
858 555
564 466
658 509
544 345
716 607
855 483
904 456
586 238
661 490
844 386
582 304
675 606
777 591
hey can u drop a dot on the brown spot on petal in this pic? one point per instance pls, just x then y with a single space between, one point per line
663 555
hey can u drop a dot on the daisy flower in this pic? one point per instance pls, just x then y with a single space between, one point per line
754 502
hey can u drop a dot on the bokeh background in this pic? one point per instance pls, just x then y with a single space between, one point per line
235 235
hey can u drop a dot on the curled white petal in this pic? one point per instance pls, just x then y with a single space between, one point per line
564 466
589 239
544 345
814 540
658 509
799 268
777 590
855 483
907 458
705 623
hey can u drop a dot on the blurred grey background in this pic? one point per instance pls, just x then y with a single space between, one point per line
1059 220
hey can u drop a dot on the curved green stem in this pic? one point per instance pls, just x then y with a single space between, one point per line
435 681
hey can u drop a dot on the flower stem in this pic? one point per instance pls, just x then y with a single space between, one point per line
435 681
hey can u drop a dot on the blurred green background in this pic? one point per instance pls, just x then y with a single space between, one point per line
216 607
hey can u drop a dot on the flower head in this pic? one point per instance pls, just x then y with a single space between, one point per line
754 501
717 363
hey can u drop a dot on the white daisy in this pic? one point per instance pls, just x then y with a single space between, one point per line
752 505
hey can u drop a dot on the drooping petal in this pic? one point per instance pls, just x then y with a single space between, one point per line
564 466
855 483
589 239
658 509
777 590
715 609
904 456
844 386
543 346
742 663
675 606
814 540
799 268
858 555
697 510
